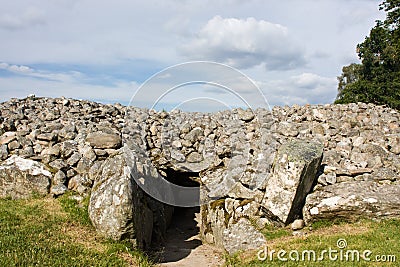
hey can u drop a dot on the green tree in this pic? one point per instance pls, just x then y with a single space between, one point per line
350 74
377 79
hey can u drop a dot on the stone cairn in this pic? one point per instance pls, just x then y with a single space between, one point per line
253 167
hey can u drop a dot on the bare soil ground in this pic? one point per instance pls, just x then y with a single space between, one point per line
184 247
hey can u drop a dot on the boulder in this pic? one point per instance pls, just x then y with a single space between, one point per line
111 200
293 175
242 236
245 115
119 208
7 137
104 140
353 200
20 178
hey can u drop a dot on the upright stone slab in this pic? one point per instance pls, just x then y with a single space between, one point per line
294 172
111 200
20 178
119 208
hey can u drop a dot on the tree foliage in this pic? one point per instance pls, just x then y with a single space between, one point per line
377 79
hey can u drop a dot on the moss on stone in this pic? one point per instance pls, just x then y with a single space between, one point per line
217 203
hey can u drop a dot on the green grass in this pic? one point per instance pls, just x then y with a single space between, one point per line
272 232
57 232
381 238
76 211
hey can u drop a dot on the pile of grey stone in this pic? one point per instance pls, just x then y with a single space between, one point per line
253 167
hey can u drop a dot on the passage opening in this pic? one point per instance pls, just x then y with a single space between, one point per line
183 233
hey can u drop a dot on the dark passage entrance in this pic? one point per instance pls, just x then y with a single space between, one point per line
182 235
183 232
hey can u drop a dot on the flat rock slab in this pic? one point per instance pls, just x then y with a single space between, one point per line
354 200
104 140
20 178
294 172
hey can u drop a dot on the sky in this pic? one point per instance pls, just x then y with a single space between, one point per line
265 52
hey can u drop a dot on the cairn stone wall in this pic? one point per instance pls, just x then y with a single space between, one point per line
239 158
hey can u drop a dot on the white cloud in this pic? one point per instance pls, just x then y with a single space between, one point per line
245 43
306 88
30 17
46 75
15 68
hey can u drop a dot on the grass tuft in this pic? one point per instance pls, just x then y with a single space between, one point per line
77 211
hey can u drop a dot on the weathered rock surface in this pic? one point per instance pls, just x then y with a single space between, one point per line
353 200
103 140
293 175
119 209
111 200
20 178
242 236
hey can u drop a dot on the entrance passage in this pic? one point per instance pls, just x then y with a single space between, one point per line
182 235
183 246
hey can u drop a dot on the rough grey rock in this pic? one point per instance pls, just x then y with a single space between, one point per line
14 145
353 200
80 183
59 178
20 178
3 151
74 159
119 208
177 155
242 236
194 157
59 189
293 175
111 200
297 224
246 115
104 140
194 134
8 137
51 151
47 137
58 164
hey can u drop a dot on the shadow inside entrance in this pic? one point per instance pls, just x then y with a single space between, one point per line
182 236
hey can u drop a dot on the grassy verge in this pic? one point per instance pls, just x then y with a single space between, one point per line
381 238
57 232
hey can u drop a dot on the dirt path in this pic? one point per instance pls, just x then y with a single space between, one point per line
184 248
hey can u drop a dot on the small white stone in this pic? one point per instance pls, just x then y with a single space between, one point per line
314 211
332 201
370 200
116 200
204 179
297 225
177 144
